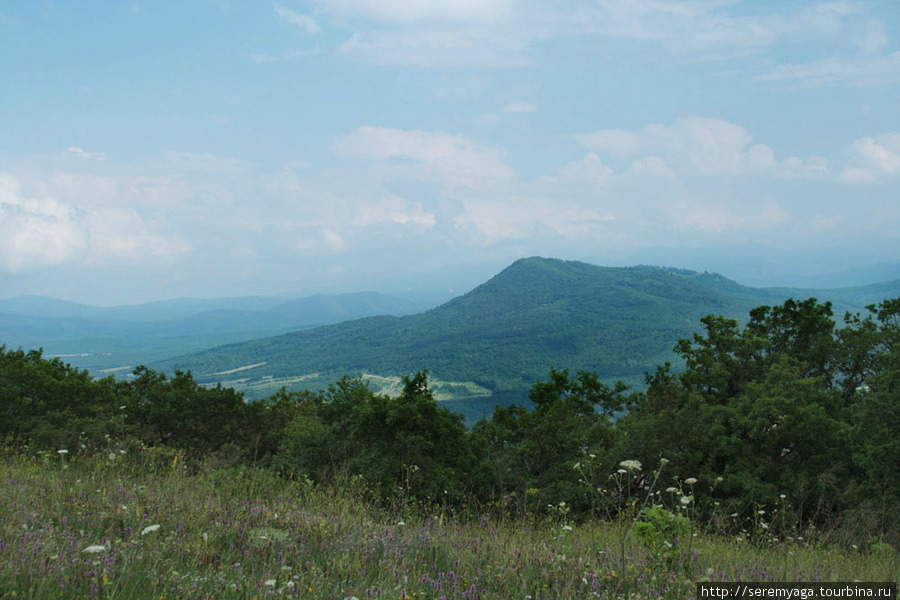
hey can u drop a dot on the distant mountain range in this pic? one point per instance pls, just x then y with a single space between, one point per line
121 337
491 344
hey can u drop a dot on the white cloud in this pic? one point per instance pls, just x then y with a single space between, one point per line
320 241
392 210
504 33
652 166
870 159
862 70
304 23
410 11
697 146
711 27
37 233
873 38
452 160
81 153
122 234
589 171
85 219
521 217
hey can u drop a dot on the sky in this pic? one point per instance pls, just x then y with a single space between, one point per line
162 149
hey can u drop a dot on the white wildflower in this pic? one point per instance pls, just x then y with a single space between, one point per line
149 529
690 480
631 465
687 500
94 549
671 490
270 582
63 451
621 471
567 528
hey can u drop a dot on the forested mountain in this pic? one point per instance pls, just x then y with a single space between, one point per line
505 334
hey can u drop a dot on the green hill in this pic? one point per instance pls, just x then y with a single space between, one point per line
491 344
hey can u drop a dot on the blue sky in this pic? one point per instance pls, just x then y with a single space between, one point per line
161 149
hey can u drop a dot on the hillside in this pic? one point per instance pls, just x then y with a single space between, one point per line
491 344
117 338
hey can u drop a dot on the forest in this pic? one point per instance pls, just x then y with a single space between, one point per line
794 414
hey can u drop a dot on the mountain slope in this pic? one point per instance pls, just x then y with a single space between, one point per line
115 339
505 334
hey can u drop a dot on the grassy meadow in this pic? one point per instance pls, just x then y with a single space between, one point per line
141 523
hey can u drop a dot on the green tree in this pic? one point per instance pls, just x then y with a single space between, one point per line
533 453
762 406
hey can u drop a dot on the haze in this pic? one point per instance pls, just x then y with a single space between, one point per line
164 149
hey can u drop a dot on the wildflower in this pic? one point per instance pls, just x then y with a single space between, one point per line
671 490
690 480
782 496
631 465
621 471
567 528
270 582
663 462
687 500
578 464
149 529
94 549
63 451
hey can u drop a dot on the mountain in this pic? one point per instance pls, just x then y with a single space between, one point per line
120 337
491 344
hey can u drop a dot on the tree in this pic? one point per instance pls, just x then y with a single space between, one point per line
532 453
762 407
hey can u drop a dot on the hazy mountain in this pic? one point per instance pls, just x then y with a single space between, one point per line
765 266
505 334
123 336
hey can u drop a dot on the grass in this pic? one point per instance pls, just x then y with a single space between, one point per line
142 525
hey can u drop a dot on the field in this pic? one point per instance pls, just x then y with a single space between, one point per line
141 523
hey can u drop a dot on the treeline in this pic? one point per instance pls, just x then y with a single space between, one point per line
790 415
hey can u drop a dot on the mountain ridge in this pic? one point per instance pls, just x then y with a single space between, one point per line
507 332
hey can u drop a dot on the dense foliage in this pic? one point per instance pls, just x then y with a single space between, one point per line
788 415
